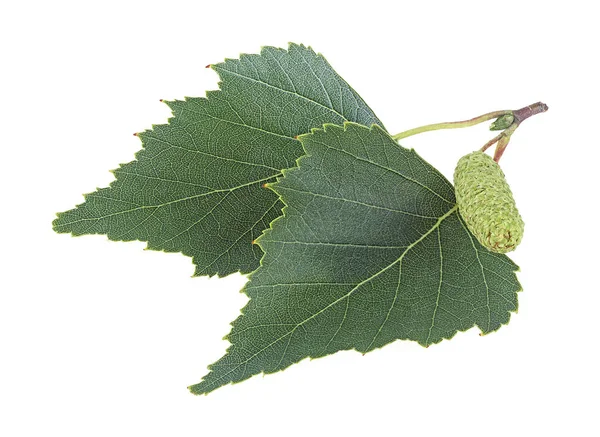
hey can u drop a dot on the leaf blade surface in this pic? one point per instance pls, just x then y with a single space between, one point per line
370 249
196 187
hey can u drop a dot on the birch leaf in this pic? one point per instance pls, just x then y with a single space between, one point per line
196 185
370 249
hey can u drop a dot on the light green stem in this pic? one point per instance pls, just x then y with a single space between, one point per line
502 139
451 125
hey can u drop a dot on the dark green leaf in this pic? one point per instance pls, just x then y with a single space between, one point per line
196 186
370 249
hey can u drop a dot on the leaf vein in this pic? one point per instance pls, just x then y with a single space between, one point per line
280 187
439 290
241 76
487 288
237 161
360 284
224 190
390 170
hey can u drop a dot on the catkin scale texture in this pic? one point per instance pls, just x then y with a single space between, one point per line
486 203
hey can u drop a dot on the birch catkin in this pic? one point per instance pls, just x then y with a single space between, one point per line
486 203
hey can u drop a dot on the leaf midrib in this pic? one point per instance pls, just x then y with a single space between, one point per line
141 207
347 295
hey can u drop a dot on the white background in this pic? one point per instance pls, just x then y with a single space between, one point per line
99 338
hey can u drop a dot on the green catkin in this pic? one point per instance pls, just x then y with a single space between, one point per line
486 203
